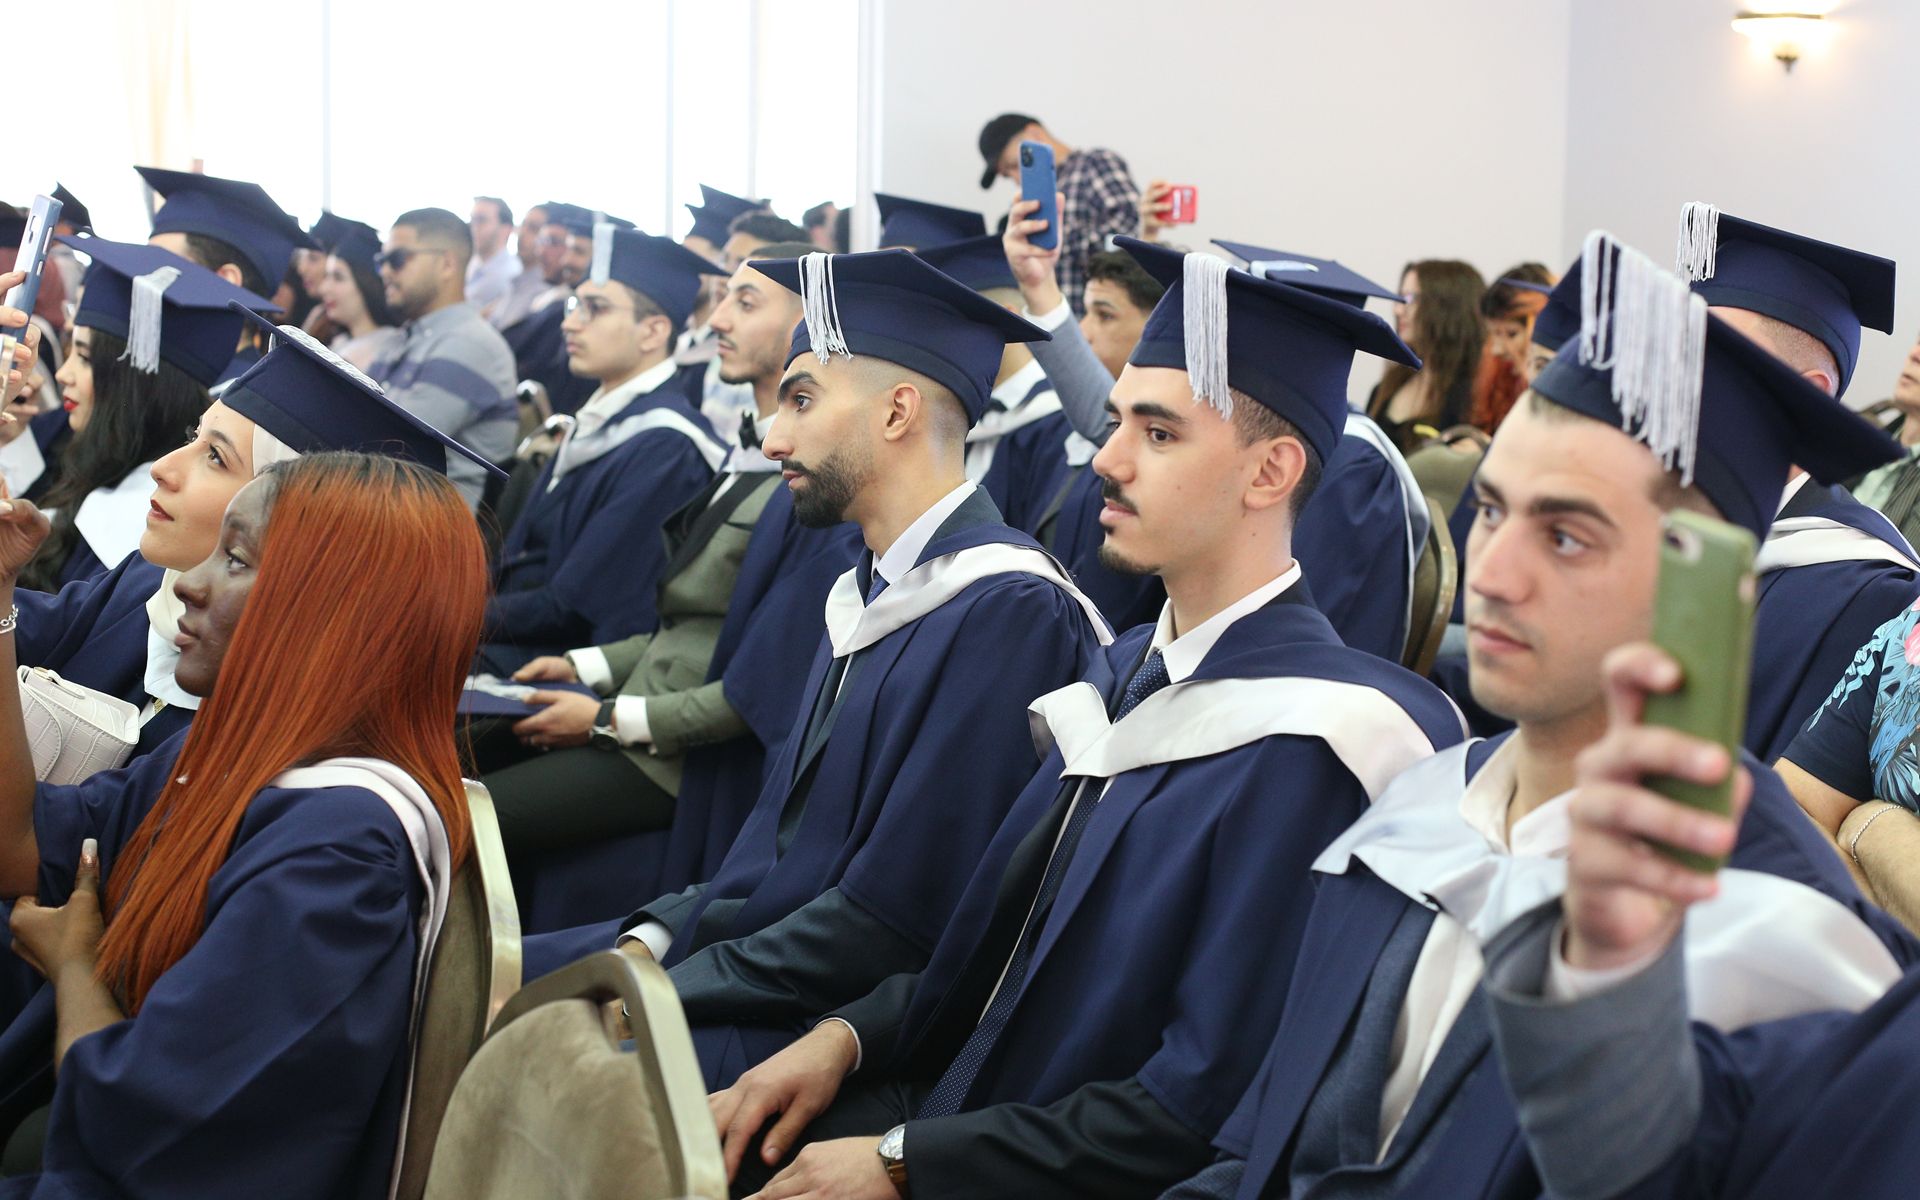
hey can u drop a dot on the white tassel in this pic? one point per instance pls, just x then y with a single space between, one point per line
1650 330
602 269
143 318
821 307
1699 244
294 333
1205 313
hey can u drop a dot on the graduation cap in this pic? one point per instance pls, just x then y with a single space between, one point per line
979 262
660 269
892 305
164 307
717 211
917 223
346 238
13 227
312 399
238 213
1826 290
1322 275
581 221
1560 319
72 211
1289 348
1711 403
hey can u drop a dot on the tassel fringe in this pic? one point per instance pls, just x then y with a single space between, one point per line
143 318
821 309
602 268
1650 330
1205 314
1699 242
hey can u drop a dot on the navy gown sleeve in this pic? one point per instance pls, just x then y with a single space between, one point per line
1351 541
109 806
269 1061
53 625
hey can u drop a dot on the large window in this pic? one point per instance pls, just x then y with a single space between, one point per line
371 107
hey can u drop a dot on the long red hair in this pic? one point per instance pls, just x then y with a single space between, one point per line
357 634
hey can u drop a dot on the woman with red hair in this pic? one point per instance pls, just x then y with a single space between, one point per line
240 1025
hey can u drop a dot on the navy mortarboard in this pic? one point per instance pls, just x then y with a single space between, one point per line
891 305
979 262
346 238
1322 275
717 211
166 308
658 268
1826 290
1288 348
1713 404
1560 319
237 213
916 223
312 399
73 213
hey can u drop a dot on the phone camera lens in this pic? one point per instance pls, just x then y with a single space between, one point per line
1026 157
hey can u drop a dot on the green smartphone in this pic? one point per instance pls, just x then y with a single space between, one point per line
1703 617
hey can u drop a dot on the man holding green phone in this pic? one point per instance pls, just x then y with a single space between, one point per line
1383 1033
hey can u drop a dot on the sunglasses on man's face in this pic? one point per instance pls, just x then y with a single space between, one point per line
396 260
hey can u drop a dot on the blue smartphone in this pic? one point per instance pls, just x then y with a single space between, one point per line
1037 183
41 219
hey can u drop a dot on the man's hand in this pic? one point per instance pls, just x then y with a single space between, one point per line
798 1083
1154 205
548 668
1033 267
1625 900
22 528
566 720
847 1169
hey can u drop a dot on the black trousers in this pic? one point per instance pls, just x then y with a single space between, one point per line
860 1110
567 798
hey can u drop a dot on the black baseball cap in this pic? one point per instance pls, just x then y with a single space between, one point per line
994 138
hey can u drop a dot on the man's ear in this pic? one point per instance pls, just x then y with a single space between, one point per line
659 332
231 273
905 407
1822 380
1278 474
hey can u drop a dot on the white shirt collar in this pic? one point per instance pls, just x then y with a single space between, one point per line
1014 391
1542 833
1184 654
603 404
1793 489
910 545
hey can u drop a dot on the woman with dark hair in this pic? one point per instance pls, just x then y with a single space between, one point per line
152 333
1440 318
1509 306
241 930
352 296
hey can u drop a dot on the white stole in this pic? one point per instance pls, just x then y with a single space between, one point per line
163 622
1808 541
111 519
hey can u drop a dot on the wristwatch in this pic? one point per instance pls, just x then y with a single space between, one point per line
893 1156
602 736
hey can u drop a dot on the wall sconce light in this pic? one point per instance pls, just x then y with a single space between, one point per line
1783 34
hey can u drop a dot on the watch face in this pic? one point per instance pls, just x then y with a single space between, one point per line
893 1145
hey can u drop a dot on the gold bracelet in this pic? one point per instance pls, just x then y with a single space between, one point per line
1853 847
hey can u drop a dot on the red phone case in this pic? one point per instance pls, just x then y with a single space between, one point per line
1183 202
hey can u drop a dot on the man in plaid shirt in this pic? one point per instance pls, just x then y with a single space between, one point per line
1099 197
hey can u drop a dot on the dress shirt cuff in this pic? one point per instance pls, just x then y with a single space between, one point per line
859 1052
590 665
1051 321
657 938
630 721
1566 983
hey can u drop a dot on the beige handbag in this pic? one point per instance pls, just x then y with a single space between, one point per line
72 730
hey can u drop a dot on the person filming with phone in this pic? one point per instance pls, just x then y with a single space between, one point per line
1099 198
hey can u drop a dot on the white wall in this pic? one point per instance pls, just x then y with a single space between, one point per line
1372 131
1668 104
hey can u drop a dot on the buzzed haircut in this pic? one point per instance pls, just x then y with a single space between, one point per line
1255 422
442 227
501 212
1123 270
818 215
949 422
782 250
766 227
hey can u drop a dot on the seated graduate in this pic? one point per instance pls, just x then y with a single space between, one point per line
1832 570
151 333
582 769
1621 1088
232 228
1021 393
1380 1080
697 350
242 1024
538 343
937 640
1087 1018
114 633
582 563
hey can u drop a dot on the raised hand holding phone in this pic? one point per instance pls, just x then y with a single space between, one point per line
1037 183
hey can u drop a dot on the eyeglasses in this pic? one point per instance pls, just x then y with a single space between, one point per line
397 260
595 306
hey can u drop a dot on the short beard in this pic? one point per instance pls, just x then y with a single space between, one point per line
756 368
830 489
1115 561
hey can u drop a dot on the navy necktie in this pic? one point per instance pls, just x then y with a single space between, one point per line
950 1093
878 585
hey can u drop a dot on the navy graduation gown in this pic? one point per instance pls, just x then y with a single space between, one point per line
1351 540
581 565
52 432
1029 467
540 354
885 818
272 1059
765 648
1166 955
1480 1150
1811 620
94 632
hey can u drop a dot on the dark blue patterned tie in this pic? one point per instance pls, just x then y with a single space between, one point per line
951 1092
878 585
